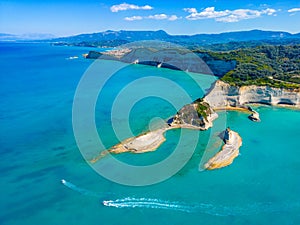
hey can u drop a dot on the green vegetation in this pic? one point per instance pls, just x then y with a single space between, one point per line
203 108
97 44
235 45
275 66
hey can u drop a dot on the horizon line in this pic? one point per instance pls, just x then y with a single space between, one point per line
146 30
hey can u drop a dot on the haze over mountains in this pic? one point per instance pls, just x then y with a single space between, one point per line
109 38
130 36
25 37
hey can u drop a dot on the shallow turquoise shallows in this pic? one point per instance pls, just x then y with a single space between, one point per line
38 150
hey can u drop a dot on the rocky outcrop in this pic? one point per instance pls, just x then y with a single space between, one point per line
198 114
254 116
223 94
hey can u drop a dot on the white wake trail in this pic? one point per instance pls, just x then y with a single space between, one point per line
150 203
153 203
215 210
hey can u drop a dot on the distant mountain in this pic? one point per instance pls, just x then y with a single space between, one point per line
251 35
25 37
117 35
7 37
201 39
297 35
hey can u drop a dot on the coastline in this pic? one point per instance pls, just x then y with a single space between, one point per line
282 106
221 97
224 95
232 108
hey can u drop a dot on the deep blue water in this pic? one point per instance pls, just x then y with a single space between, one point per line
38 149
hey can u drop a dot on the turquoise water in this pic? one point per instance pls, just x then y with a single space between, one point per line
38 149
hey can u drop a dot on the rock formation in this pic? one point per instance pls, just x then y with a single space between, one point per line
254 116
199 114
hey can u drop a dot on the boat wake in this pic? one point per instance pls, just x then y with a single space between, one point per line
215 210
147 203
169 205
206 208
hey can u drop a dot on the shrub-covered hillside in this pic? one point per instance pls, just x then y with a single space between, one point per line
276 66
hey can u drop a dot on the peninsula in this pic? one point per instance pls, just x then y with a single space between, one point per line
197 115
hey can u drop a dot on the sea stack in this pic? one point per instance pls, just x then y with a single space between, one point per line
254 116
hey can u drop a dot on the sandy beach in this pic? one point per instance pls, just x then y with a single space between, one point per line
146 142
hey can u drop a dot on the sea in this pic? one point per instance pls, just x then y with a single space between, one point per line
46 175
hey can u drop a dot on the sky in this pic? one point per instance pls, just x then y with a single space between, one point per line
71 17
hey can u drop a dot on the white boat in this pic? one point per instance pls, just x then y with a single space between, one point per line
73 57
136 61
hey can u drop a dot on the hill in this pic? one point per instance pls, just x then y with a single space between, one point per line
123 36
269 65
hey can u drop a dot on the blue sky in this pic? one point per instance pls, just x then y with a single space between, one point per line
68 17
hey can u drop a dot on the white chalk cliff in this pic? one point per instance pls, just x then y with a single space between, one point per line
223 94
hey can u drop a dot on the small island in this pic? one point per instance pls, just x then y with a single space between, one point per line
228 153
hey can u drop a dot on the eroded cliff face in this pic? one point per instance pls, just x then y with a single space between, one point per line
222 95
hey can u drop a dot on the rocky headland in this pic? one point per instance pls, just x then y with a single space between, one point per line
197 115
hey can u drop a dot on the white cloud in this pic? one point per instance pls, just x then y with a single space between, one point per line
227 15
154 17
132 18
205 14
158 17
294 10
173 18
125 6
269 11
190 10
